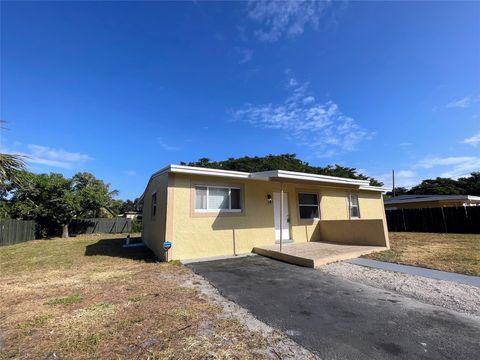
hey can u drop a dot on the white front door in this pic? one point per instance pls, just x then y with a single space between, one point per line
276 214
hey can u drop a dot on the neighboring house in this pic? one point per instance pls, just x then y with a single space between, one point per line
132 215
208 212
428 201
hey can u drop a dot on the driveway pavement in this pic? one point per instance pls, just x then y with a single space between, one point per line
340 319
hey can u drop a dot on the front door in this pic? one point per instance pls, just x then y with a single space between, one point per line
276 214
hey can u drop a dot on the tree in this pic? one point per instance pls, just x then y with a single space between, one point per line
54 201
287 162
438 186
398 191
470 184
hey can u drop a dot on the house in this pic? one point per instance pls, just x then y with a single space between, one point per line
132 215
428 201
209 212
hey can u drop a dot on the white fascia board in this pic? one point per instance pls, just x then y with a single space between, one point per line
434 198
293 175
375 188
207 171
182 169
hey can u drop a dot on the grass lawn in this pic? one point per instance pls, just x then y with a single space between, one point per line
458 253
87 297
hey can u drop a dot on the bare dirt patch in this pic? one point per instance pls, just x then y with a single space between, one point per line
458 253
87 297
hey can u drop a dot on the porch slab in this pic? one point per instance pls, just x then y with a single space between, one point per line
314 254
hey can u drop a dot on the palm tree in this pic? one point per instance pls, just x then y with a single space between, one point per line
10 166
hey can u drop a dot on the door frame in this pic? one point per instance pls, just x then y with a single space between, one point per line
287 227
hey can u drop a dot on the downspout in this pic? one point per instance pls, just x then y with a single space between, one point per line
281 215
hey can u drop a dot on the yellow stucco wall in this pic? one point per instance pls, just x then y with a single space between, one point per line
153 227
196 236
354 232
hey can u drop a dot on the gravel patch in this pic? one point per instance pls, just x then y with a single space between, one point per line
450 295
279 345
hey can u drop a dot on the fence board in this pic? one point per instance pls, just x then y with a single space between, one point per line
100 225
462 220
16 231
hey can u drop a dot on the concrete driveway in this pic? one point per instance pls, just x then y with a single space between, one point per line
340 319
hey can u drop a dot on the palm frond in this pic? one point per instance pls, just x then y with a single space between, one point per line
10 166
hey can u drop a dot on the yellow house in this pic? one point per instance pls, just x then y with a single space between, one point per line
209 212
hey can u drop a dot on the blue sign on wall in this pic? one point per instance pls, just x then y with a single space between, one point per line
167 245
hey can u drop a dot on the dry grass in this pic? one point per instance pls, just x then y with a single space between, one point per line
88 298
458 253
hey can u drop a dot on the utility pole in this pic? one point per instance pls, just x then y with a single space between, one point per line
393 181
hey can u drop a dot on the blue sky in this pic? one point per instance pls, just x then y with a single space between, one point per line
121 89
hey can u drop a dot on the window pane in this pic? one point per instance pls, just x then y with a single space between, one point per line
354 200
308 199
200 197
309 212
217 198
235 194
154 204
354 211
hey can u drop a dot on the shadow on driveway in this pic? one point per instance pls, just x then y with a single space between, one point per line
340 319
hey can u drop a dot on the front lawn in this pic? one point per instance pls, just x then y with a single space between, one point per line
458 253
89 298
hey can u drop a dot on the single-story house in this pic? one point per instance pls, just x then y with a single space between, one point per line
132 215
210 212
429 201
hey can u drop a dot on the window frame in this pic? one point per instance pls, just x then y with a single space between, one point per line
153 205
308 220
217 211
351 206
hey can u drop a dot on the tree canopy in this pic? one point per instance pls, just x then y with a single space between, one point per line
54 201
469 185
288 162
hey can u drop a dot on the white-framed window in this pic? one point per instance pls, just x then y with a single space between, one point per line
217 199
154 204
308 206
353 206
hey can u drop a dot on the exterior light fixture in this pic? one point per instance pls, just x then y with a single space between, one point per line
269 198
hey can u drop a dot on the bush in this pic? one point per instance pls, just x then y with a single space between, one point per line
136 226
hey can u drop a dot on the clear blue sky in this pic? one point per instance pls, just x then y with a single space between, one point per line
122 89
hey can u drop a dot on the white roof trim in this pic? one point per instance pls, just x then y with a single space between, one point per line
293 175
433 198
375 188
267 175
201 171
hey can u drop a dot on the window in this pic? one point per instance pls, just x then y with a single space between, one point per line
353 204
154 204
217 198
308 206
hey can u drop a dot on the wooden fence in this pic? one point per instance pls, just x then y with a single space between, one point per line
16 231
100 225
462 219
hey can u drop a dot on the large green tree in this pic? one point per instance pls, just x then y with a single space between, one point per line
438 186
54 200
288 162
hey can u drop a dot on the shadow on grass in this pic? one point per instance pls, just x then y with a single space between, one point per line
114 248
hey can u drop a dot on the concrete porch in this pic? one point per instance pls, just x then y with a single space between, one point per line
314 254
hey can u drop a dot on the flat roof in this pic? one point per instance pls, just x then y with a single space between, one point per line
273 175
405 199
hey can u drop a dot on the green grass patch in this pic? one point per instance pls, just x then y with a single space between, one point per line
36 321
137 298
387 255
65 300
